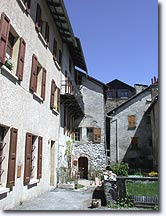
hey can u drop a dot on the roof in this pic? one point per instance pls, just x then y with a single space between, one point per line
127 101
117 84
61 19
91 78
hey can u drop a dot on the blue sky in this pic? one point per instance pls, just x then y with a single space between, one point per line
119 38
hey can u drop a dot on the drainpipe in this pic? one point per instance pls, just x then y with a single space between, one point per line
116 136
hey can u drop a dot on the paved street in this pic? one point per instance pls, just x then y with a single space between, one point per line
60 199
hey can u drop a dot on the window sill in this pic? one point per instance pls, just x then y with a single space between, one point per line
9 72
4 190
38 97
33 181
57 64
42 39
55 111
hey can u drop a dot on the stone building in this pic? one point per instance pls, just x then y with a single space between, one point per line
33 36
130 132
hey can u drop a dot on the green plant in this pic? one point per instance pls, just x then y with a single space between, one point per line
120 169
121 203
153 174
9 64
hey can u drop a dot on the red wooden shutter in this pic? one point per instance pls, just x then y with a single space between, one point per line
53 87
39 164
43 90
21 57
28 158
4 33
38 18
28 5
58 105
54 49
33 81
97 135
12 158
47 33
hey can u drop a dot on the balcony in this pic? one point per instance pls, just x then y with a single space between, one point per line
72 97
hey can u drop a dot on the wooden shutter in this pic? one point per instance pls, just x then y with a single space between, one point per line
58 105
4 33
33 80
12 158
21 57
47 33
131 121
43 90
54 49
39 164
28 5
28 158
38 18
97 135
53 87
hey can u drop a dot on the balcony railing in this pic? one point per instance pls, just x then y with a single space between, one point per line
70 89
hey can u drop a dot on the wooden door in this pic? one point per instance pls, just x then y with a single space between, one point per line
83 167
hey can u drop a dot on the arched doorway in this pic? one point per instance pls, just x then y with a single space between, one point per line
83 167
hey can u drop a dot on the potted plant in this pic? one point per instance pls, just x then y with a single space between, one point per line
9 64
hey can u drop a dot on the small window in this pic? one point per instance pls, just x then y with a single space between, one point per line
77 134
124 94
55 49
90 134
55 97
131 122
110 94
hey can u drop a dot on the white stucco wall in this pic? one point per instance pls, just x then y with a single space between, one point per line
19 109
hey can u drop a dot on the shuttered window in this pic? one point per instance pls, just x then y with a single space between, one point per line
131 122
55 97
97 135
53 86
21 57
38 18
27 5
47 33
4 33
28 158
54 49
12 158
39 164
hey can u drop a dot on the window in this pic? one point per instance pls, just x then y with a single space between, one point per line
12 48
12 155
55 49
27 4
60 58
42 26
94 134
38 78
134 143
124 94
77 134
131 122
33 158
110 94
55 97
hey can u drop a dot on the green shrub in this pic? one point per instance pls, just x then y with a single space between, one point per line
121 203
120 169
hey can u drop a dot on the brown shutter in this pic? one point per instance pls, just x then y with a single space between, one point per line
33 80
47 33
12 158
28 5
38 18
53 87
58 105
39 164
28 158
21 57
4 33
43 90
97 135
54 49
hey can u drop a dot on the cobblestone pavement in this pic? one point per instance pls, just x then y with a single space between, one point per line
60 199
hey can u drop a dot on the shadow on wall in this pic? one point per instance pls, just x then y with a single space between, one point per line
139 154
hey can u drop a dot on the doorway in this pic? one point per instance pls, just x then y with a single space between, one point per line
83 167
